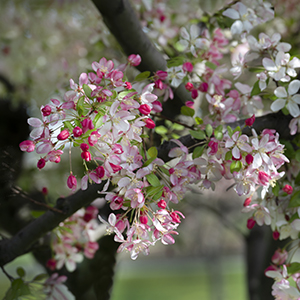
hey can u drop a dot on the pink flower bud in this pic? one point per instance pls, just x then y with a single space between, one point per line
279 257
194 94
84 147
149 123
189 104
171 171
187 67
250 223
276 235
249 159
157 106
46 110
288 189
86 155
72 182
41 163
63 135
175 217
91 212
203 87
87 124
144 219
44 191
77 131
189 86
161 74
100 171
158 84
128 85
162 204
134 60
27 146
247 202
51 264
145 109
249 122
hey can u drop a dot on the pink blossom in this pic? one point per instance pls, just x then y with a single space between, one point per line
134 60
72 182
77 131
27 146
41 163
63 135
149 123
145 109
288 189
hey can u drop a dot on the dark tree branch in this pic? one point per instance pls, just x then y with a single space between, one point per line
123 23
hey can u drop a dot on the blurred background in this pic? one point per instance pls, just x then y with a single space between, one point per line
44 43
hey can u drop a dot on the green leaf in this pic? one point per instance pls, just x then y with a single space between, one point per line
37 213
149 161
151 190
198 121
156 196
40 277
87 90
275 189
255 90
230 131
82 111
124 93
236 166
187 111
175 62
97 120
228 155
218 133
152 152
209 130
199 135
238 128
21 272
142 76
177 127
153 180
295 200
161 130
198 151
211 65
289 149
68 125
293 268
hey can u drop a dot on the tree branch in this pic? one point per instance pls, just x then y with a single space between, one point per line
123 23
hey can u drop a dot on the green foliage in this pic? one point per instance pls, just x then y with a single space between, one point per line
142 76
209 130
187 111
87 90
255 90
295 200
153 180
175 62
199 135
198 151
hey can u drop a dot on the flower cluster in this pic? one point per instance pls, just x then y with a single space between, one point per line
73 239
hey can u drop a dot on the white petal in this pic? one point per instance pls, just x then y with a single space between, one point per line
280 92
269 64
34 122
278 104
237 27
195 31
184 33
296 98
294 87
231 13
293 109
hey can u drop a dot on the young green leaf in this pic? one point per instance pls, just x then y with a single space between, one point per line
142 76
209 130
187 111
199 135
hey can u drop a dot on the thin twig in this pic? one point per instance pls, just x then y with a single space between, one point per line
23 194
7 275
